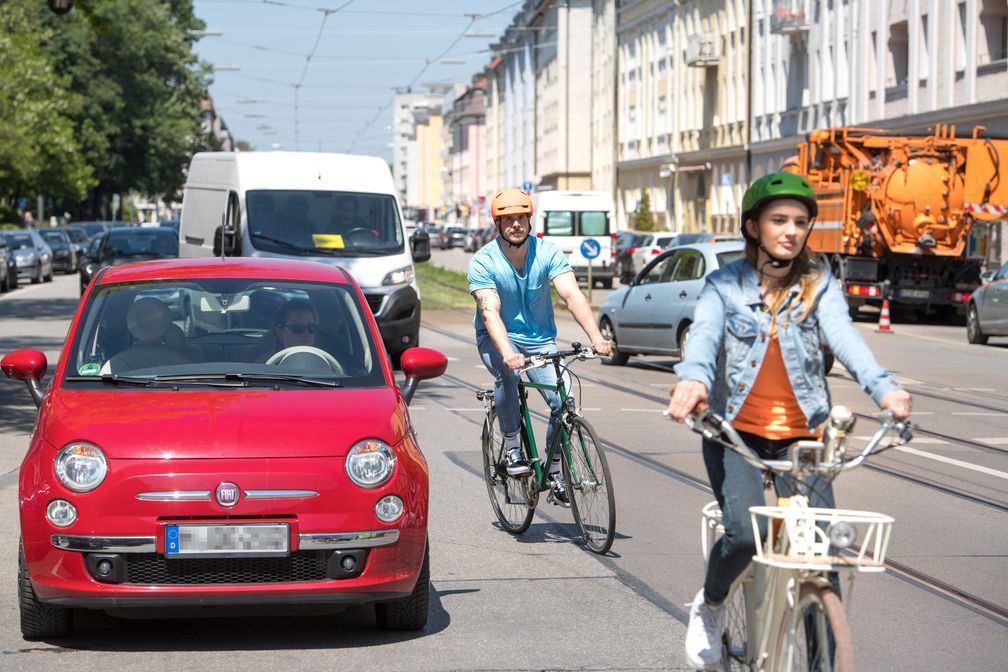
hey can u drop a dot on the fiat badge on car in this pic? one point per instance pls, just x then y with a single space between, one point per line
227 494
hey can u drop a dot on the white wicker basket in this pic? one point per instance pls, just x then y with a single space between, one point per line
795 539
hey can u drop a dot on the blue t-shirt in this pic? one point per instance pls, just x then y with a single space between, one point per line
526 305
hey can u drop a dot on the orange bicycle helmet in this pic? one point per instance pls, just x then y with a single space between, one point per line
510 202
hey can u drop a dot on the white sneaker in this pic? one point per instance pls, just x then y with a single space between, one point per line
703 635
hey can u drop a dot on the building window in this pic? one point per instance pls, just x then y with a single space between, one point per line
899 55
994 32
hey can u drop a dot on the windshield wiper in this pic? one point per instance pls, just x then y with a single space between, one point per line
113 379
244 378
284 243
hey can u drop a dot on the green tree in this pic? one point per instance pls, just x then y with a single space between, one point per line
139 114
643 219
40 152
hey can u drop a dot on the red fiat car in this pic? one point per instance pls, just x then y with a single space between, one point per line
222 432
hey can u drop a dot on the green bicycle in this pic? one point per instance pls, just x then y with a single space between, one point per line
586 472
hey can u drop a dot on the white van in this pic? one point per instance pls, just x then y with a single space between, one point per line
339 209
569 218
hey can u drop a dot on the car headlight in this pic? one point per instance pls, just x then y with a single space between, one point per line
400 276
370 463
81 466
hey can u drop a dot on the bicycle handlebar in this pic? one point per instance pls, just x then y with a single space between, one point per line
577 350
715 428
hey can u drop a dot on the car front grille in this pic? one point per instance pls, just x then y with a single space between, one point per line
374 302
154 569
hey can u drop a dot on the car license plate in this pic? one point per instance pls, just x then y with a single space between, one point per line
265 539
914 293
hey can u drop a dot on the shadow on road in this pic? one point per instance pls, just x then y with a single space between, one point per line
17 410
244 628
38 309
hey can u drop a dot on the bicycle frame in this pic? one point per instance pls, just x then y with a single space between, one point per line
561 437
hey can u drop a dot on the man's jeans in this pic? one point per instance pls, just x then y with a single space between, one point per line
506 385
737 486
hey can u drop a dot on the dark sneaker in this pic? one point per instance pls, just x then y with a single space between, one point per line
558 490
517 465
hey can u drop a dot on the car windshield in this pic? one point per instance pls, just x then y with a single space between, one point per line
19 240
223 333
57 237
77 235
143 242
324 222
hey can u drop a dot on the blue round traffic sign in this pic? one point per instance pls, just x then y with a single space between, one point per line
590 248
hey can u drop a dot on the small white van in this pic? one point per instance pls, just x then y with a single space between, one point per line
569 218
340 209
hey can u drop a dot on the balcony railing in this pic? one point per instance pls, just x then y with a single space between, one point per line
789 16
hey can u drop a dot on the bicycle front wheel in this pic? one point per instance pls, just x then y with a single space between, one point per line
589 487
804 643
513 500
733 643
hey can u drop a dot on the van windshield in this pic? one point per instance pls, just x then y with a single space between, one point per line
337 223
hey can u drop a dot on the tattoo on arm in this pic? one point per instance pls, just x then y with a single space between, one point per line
487 299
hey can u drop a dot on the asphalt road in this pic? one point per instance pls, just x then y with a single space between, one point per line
541 601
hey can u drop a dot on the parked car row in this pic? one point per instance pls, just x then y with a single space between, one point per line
122 244
32 257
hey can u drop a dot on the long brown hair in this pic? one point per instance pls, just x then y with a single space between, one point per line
803 271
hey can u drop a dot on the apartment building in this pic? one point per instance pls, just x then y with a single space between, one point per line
603 96
416 148
466 162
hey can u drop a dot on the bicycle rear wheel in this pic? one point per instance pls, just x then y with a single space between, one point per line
513 499
807 648
589 487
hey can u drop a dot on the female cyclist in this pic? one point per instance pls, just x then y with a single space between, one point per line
755 356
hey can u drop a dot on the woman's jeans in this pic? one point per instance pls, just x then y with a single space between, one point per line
506 384
737 486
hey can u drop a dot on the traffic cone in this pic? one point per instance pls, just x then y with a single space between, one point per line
883 322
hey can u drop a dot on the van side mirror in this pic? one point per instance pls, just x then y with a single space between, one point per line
420 245
226 241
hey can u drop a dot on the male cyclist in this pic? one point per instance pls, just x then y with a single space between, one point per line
510 278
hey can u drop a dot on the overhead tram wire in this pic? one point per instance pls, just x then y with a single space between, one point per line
318 38
473 18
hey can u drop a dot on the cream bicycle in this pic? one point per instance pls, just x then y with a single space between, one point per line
782 614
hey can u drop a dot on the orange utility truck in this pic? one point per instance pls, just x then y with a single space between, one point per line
896 211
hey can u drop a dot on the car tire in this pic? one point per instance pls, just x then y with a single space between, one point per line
39 620
409 613
681 341
37 276
615 358
5 285
974 334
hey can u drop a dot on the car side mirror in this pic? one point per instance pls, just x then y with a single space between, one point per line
420 246
420 364
986 277
29 366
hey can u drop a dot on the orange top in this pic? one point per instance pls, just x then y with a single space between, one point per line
771 409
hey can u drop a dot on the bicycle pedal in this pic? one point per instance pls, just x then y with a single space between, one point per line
556 502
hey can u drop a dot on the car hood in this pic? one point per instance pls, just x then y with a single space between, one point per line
162 424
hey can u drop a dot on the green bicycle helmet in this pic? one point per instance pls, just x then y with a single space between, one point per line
773 186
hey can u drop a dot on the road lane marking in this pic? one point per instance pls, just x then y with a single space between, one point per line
995 441
917 439
641 410
957 463
976 413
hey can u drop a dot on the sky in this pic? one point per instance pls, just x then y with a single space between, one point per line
360 52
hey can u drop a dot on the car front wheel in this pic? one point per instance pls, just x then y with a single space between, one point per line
409 613
38 620
615 358
973 332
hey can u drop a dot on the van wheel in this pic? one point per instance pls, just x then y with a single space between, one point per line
607 283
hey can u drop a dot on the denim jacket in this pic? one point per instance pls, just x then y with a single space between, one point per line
729 337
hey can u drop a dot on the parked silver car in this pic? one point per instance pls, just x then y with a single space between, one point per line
652 315
33 255
987 311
